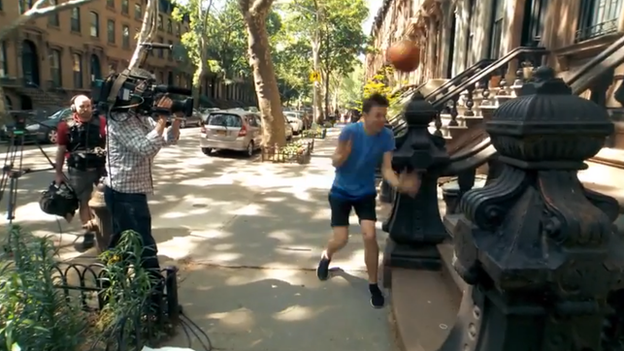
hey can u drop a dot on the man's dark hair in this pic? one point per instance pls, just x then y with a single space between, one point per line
374 100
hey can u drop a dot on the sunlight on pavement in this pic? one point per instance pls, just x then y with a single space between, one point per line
178 247
224 257
242 319
211 234
298 313
249 210
197 211
281 236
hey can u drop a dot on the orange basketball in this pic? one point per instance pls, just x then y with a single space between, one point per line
404 56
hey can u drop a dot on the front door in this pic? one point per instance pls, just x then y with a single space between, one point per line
30 63
533 24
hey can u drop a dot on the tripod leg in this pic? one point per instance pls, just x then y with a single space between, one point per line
8 166
12 203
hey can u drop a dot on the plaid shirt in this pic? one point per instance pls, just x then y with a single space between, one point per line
132 144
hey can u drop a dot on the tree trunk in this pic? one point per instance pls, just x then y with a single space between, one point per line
316 61
147 34
264 74
328 111
198 78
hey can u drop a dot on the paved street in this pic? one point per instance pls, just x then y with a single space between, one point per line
247 236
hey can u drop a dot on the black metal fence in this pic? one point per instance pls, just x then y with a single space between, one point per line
155 319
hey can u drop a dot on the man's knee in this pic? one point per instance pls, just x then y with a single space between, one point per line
369 233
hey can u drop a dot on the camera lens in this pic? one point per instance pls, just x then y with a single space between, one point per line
185 106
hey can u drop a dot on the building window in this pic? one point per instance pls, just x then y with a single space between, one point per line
597 18
53 18
160 22
75 20
110 3
496 35
178 29
169 26
125 7
110 31
137 12
161 53
55 69
473 24
170 52
77 68
95 24
125 37
4 67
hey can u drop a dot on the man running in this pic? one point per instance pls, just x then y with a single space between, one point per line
361 147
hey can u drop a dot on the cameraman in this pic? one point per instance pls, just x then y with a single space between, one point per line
133 142
77 141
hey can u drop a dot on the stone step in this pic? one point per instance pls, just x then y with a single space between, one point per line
424 309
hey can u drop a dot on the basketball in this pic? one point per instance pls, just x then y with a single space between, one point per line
404 56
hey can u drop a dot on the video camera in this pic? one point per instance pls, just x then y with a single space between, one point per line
137 89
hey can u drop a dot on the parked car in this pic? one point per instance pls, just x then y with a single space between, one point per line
231 130
296 123
305 118
39 129
194 121
288 130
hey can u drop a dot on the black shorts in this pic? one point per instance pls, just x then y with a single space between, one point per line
341 209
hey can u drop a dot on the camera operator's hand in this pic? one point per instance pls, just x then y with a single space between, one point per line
164 104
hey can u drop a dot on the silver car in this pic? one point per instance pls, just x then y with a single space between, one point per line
231 130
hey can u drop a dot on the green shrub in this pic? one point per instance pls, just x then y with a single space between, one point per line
34 314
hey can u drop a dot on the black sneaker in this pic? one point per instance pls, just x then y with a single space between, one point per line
377 299
88 241
322 271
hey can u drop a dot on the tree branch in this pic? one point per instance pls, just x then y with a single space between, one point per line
37 11
204 19
148 29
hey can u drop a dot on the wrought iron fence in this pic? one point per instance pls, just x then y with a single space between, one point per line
157 316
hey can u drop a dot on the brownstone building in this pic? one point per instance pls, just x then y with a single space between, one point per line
454 35
50 59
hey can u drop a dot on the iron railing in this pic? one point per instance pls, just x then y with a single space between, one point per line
598 18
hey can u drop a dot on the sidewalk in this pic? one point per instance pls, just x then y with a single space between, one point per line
251 283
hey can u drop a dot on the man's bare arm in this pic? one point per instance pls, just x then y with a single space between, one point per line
387 172
60 159
341 154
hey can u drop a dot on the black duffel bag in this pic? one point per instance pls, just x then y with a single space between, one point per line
60 201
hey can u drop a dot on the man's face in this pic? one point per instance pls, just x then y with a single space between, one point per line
83 107
375 119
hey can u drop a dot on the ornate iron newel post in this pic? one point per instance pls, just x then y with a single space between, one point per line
539 250
414 225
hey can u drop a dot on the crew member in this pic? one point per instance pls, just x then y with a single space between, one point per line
361 147
81 140
134 141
